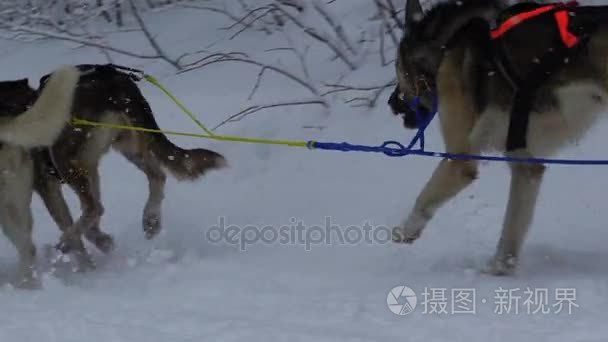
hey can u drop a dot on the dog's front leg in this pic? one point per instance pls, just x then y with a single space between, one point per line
526 179
449 178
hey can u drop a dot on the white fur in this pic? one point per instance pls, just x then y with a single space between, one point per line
411 228
42 123
548 131
16 182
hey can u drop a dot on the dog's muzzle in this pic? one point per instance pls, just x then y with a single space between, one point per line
410 115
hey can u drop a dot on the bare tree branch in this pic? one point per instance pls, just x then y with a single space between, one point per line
82 41
257 108
153 43
369 101
223 58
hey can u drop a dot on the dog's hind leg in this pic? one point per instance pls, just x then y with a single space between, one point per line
132 148
526 179
151 220
17 223
92 231
85 183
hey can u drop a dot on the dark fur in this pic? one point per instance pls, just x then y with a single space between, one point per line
15 97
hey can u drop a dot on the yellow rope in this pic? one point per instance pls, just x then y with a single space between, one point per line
208 133
77 121
155 82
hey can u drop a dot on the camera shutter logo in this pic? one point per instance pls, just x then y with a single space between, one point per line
402 300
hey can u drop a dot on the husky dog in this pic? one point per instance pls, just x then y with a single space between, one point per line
445 52
107 95
21 129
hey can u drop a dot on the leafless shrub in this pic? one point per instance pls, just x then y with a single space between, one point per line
297 26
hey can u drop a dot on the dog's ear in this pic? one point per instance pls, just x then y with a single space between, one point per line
43 80
413 13
24 83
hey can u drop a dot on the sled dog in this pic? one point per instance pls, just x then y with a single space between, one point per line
107 95
446 54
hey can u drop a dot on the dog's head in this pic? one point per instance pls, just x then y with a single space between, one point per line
15 97
417 63
426 38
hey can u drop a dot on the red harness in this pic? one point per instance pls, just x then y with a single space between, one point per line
525 87
561 16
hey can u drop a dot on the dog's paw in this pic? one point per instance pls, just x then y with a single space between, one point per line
30 284
84 262
501 266
74 250
27 281
402 234
64 246
410 230
103 241
151 226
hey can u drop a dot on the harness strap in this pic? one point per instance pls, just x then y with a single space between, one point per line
525 93
519 18
515 20
500 55
526 88
563 19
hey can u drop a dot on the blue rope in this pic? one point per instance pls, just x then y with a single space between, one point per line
397 149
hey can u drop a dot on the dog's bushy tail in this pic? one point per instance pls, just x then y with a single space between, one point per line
42 123
186 164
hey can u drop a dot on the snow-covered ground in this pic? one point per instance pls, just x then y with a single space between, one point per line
184 286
